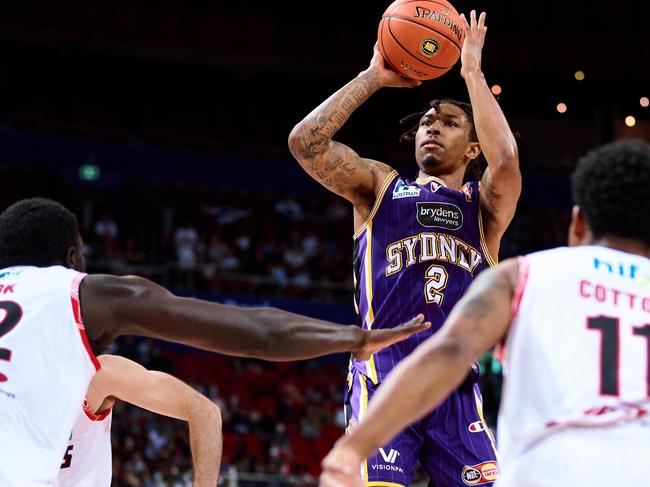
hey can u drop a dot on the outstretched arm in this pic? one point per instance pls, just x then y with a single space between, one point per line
501 182
336 166
430 373
113 306
163 394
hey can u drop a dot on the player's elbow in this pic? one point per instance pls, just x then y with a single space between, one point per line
297 140
214 413
205 410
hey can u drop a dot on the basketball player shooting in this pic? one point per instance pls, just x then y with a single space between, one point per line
575 322
418 245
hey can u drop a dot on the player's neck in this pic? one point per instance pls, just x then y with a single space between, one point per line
629 245
452 181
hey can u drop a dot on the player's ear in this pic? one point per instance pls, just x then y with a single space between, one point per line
70 258
473 150
579 231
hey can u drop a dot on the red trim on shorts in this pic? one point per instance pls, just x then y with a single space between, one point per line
76 311
95 417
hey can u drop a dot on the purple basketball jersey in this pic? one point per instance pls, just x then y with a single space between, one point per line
418 252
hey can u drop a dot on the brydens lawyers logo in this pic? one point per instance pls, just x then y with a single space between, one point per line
403 190
441 215
482 473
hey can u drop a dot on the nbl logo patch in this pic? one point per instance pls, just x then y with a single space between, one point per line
482 473
467 190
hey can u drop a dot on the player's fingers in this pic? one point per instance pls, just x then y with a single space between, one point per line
463 21
472 16
481 20
415 325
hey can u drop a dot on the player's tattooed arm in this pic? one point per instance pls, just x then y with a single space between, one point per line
336 166
436 367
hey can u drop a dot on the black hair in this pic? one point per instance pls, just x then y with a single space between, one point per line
476 166
610 185
38 232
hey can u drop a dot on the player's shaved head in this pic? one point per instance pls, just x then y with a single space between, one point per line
611 185
38 232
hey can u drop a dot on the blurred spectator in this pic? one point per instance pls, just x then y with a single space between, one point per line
105 236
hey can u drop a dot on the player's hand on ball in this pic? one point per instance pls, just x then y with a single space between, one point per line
386 76
470 55
375 340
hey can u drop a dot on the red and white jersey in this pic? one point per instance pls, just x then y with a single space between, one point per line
46 365
88 459
576 355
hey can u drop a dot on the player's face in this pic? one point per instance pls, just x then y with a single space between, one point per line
442 140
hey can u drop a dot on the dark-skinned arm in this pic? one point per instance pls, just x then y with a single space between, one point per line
429 374
113 306
501 182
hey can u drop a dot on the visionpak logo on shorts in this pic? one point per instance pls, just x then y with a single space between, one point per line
441 215
482 473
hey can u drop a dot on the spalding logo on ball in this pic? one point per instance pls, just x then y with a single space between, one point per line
420 39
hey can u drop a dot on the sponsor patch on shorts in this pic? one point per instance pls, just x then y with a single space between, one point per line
482 473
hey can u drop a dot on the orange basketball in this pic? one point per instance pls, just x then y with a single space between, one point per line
420 39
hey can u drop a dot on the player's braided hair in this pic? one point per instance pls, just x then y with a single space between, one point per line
611 185
475 168
36 231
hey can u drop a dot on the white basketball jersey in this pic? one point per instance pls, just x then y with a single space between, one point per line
46 365
576 356
88 459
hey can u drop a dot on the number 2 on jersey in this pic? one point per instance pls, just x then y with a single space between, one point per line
610 349
13 313
436 280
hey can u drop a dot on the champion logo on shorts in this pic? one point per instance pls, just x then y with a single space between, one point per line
482 473
476 427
